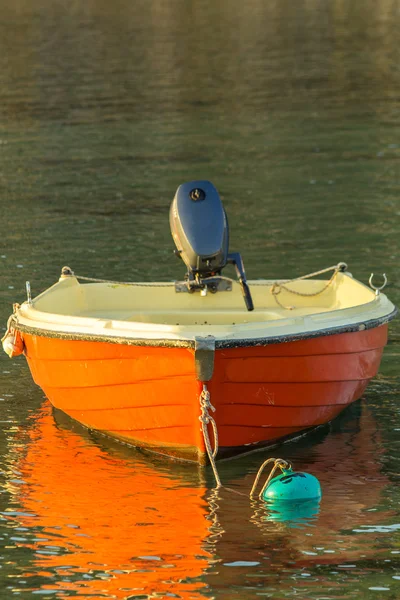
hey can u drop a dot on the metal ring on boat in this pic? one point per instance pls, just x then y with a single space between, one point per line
377 289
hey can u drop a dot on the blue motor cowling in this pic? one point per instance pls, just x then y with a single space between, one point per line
199 227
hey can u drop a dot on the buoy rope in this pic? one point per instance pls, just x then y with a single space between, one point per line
279 463
205 418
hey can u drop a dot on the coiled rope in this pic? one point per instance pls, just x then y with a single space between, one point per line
205 418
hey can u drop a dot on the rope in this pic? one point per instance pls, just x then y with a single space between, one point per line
70 273
150 284
278 463
12 322
278 286
206 418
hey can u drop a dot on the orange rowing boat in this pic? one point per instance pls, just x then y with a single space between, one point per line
142 362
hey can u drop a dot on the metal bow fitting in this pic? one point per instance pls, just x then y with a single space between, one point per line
377 289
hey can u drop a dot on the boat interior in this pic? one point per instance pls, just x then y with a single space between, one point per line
162 304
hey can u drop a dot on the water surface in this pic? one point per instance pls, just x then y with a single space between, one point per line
292 110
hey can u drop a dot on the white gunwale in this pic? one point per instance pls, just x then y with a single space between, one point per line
150 314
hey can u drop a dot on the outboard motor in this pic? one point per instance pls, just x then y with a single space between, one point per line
199 226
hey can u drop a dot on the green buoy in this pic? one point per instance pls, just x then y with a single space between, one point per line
292 497
292 486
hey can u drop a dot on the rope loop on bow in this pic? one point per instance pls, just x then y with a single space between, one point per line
205 418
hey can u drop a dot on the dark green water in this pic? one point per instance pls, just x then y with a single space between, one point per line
292 109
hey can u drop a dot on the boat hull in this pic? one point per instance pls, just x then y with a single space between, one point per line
148 396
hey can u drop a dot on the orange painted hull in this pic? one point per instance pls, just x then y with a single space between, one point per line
149 396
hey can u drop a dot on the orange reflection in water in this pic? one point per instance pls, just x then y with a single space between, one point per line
135 528
139 526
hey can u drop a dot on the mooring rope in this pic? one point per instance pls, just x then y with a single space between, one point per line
206 418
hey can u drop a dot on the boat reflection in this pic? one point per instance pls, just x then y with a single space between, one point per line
110 522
